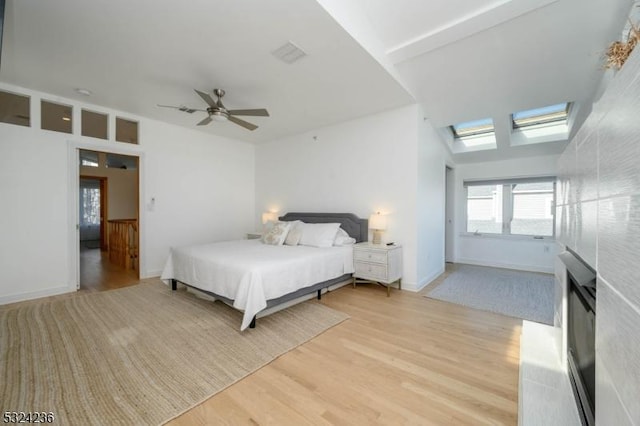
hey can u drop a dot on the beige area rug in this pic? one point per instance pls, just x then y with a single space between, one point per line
138 355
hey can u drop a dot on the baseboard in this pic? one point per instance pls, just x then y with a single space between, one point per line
150 274
428 280
529 268
20 297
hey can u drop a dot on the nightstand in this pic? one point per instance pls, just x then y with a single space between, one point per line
254 235
377 263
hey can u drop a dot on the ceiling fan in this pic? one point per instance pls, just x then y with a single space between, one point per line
216 111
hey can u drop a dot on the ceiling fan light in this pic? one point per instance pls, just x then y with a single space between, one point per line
219 116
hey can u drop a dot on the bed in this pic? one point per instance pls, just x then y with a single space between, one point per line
252 276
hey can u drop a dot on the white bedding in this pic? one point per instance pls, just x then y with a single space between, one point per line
250 272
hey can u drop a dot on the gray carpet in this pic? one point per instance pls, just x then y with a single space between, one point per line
526 295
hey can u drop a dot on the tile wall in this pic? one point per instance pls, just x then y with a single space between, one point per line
598 215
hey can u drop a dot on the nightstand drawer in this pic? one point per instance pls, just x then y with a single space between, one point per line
371 271
370 256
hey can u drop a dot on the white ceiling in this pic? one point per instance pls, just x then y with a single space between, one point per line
461 59
135 54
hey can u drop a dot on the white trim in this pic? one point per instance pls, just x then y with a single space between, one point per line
73 218
19 297
425 281
151 274
509 237
515 266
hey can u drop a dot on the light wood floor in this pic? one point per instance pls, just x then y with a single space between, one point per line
404 359
98 274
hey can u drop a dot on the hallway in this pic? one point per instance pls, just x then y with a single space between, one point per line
98 274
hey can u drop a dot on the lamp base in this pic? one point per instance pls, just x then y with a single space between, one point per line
377 237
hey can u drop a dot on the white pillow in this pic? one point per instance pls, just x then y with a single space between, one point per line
295 233
277 234
319 234
343 239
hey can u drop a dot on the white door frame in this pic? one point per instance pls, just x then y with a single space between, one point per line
449 214
73 191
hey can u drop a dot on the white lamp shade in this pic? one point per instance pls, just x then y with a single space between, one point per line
378 221
269 216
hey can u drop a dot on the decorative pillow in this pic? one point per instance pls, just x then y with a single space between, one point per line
295 233
343 239
277 234
319 234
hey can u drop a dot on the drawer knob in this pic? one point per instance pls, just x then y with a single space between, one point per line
369 256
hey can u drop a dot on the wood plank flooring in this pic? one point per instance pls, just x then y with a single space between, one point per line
98 274
404 359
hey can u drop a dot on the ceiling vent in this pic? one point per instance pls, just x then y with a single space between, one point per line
289 53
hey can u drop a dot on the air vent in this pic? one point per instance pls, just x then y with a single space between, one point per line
187 110
289 53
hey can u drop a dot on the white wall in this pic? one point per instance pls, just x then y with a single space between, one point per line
362 166
506 252
433 158
203 186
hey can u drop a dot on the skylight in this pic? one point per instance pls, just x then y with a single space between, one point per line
532 117
472 128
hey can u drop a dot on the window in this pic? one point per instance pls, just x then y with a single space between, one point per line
471 136
511 206
533 209
484 209
472 128
94 124
551 114
14 109
88 158
90 206
56 117
126 131
125 162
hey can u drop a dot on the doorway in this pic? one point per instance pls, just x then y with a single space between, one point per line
108 220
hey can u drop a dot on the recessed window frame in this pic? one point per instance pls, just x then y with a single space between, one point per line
28 109
82 123
508 206
122 119
472 128
68 118
531 119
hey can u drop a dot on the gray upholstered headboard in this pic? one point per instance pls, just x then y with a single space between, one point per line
355 227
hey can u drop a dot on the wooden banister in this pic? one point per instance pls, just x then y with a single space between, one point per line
123 242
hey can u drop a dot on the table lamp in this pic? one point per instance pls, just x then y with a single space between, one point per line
378 223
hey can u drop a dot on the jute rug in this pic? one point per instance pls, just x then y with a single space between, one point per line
138 355
526 295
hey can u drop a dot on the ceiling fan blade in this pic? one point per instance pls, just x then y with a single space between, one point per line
254 112
242 123
207 98
205 121
183 108
168 106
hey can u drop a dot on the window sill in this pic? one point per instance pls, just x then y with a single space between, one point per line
508 237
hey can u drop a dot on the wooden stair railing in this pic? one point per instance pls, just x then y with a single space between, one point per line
123 243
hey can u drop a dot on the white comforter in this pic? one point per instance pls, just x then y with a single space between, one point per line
250 272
